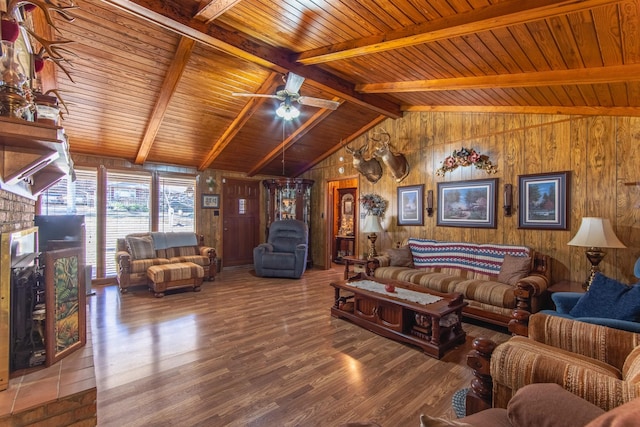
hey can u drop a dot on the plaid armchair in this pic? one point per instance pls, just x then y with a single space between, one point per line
596 363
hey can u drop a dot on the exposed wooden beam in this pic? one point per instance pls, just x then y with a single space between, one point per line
612 74
241 46
342 143
313 121
214 8
171 79
516 109
499 15
249 109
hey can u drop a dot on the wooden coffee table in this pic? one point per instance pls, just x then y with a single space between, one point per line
435 327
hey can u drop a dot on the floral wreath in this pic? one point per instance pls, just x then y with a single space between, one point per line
373 204
466 157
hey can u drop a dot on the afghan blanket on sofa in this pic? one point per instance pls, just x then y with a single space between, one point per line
479 258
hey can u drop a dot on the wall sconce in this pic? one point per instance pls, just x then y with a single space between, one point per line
508 199
430 203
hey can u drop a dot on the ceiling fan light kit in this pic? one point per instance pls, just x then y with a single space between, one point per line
287 111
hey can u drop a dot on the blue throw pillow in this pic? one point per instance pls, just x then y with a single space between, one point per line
610 299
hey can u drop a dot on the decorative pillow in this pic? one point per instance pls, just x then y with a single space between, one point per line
548 405
609 299
141 247
514 268
400 257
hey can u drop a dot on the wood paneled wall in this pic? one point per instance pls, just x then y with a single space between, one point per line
601 152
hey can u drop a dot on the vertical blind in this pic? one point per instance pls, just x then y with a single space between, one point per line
128 210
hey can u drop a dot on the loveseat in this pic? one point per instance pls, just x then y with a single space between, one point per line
494 279
138 251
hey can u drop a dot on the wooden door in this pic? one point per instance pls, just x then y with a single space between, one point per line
241 221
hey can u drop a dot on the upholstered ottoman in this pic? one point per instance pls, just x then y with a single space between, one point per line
176 275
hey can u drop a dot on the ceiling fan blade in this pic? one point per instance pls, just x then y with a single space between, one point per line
318 102
294 82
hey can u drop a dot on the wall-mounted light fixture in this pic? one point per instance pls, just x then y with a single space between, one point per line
508 199
430 203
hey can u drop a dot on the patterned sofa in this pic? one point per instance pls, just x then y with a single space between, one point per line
494 279
138 251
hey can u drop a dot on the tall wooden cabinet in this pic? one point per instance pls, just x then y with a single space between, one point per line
289 198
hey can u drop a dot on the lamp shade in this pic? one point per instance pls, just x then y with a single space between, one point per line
372 224
596 233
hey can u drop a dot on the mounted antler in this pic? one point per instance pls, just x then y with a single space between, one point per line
13 6
396 162
370 168
52 48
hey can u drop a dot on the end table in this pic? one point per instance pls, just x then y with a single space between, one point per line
367 264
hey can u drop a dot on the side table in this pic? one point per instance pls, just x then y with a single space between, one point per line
367 264
563 286
566 286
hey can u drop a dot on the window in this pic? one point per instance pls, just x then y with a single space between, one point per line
128 203
177 202
128 208
76 198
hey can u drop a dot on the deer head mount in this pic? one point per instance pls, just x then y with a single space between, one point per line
369 168
396 162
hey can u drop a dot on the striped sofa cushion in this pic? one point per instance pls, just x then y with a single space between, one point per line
479 258
178 251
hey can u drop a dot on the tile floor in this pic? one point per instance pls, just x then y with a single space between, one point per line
33 388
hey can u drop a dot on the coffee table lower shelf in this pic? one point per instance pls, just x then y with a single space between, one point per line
434 328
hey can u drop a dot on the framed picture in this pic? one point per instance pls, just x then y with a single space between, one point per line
410 205
211 201
467 203
65 323
543 200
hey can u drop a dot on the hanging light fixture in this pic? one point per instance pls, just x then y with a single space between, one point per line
287 111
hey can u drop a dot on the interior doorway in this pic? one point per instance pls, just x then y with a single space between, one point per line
342 220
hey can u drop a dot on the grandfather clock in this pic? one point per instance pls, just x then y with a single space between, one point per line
289 198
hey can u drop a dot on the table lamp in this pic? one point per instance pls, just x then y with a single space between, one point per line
372 226
595 234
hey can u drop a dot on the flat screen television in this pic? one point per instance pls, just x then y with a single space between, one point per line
57 231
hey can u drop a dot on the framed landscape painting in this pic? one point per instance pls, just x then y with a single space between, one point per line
544 199
410 205
467 203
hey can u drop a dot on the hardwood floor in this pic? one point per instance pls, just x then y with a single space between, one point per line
248 351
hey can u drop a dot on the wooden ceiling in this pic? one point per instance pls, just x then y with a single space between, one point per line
153 80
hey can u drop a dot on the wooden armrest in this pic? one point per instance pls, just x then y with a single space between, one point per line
481 388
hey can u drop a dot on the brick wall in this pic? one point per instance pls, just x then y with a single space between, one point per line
16 212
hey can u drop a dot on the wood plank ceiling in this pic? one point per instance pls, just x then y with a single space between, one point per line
153 80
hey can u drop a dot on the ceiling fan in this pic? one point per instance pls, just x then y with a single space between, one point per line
289 93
